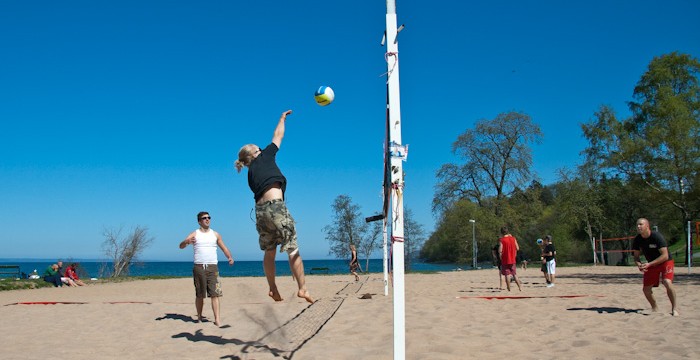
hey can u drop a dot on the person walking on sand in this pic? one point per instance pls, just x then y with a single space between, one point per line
206 265
497 264
543 268
274 223
354 263
659 263
507 249
549 253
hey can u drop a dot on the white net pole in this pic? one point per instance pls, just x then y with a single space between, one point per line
397 231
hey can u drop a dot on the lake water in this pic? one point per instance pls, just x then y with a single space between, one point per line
240 268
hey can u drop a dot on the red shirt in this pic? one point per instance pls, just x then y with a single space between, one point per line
70 273
508 249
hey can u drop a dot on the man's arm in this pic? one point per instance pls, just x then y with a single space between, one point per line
279 130
223 247
190 239
637 260
659 260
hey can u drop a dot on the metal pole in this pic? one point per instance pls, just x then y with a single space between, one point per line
475 250
690 253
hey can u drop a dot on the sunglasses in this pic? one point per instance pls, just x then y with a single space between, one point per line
205 218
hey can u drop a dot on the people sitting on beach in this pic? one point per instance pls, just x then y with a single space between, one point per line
53 275
72 274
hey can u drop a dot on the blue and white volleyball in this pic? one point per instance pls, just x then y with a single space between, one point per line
539 241
324 95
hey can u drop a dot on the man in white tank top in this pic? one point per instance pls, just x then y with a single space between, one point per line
206 271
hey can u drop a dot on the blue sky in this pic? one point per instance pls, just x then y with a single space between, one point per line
132 112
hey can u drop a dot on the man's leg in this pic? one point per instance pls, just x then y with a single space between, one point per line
297 266
199 303
517 281
671 295
269 267
650 297
215 309
507 277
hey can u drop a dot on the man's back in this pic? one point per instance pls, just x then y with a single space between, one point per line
508 249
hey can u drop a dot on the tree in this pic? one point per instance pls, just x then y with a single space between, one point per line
659 145
349 228
414 237
580 202
123 251
496 159
374 238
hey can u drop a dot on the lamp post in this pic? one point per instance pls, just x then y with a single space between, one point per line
475 249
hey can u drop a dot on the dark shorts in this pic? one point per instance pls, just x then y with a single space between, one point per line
655 273
275 226
206 281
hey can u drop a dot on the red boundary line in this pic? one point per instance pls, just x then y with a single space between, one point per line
489 297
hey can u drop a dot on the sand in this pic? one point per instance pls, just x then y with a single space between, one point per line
591 313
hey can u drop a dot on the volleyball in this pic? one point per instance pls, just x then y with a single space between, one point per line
324 95
539 241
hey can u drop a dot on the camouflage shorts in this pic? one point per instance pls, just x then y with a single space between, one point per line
275 226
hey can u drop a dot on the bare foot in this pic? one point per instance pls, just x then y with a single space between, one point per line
305 295
675 313
275 295
200 318
217 323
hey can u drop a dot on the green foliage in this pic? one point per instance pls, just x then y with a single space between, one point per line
12 284
642 166
348 227
496 159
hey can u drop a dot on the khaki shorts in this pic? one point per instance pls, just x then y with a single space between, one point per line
206 280
275 226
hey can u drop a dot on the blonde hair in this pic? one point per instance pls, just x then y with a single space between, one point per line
245 156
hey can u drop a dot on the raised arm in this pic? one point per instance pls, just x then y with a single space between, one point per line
279 130
190 239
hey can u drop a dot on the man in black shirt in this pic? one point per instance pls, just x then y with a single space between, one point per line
659 263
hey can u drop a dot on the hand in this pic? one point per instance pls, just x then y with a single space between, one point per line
230 261
192 240
643 267
284 114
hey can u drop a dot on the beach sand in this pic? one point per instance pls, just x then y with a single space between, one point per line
591 313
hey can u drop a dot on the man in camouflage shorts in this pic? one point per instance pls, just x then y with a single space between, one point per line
275 226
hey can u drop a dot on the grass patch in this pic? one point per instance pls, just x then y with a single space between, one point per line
22 284
12 284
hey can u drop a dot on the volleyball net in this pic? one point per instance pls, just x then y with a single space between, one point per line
615 251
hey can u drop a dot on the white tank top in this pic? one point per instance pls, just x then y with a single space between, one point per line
205 247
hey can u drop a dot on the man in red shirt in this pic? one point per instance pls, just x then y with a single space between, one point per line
507 250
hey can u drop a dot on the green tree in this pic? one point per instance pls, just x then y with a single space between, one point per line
496 159
349 228
580 201
414 237
659 145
